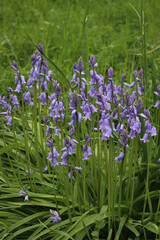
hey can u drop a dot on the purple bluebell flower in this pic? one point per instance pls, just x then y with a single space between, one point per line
129 86
36 58
71 132
14 65
9 120
135 74
56 131
29 172
22 80
157 93
85 156
64 158
120 142
147 113
46 168
153 131
120 157
92 60
46 121
110 72
78 168
22 192
18 87
41 48
14 100
50 143
141 73
48 131
136 125
123 76
139 105
56 218
27 98
10 90
44 85
53 156
132 134
49 76
80 65
145 138
157 104
43 98
71 175
26 199
87 138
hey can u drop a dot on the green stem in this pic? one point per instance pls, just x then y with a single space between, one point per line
147 182
133 177
35 130
110 184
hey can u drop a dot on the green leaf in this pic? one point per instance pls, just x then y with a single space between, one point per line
132 228
121 224
152 227
110 234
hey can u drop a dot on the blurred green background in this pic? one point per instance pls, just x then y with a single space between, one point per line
68 29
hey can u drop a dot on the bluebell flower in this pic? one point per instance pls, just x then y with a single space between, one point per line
48 131
129 86
55 218
53 156
78 168
145 138
10 90
43 98
141 73
139 105
41 47
56 131
135 74
110 72
157 104
27 98
92 61
71 132
120 157
50 143
14 65
123 76
71 174
22 192
46 121
48 76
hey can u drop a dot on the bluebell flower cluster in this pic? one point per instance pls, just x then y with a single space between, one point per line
22 192
118 109
55 216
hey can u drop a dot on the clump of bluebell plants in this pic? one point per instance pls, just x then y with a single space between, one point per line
79 133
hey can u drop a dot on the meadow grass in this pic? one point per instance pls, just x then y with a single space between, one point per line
111 30
108 200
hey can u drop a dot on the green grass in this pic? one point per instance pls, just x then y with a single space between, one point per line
111 30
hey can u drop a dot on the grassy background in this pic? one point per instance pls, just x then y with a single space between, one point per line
111 30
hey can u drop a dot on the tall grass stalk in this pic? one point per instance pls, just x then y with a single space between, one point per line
133 174
147 196
36 131
144 52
